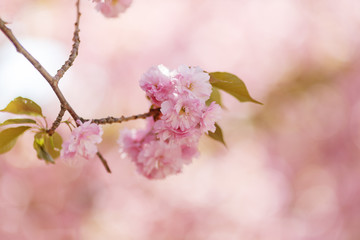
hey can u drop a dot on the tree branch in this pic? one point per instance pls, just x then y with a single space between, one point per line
19 48
75 47
8 33
109 120
56 123
53 81
104 162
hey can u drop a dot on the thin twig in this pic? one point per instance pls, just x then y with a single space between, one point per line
75 47
104 162
109 120
57 122
8 33
53 81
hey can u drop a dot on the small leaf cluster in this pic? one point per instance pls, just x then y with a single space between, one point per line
47 147
232 85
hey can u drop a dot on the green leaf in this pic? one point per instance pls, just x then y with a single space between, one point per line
47 147
217 135
18 121
41 152
53 144
9 136
215 97
22 105
231 84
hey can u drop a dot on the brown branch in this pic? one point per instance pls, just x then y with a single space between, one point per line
103 161
75 47
53 81
19 48
8 33
57 122
109 120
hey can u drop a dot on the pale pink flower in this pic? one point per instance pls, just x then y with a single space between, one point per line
131 141
159 159
193 80
83 141
209 117
171 141
112 8
157 84
189 151
182 113
168 134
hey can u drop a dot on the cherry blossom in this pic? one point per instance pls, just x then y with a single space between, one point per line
209 117
159 159
193 80
82 141
188 152
112 8
131 141
171 141
168 134
157 84
182 113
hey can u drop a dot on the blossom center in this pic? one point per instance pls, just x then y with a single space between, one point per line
158 162
191 87
183 111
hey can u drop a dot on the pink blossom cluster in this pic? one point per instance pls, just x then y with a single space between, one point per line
170 141
112 8
82 141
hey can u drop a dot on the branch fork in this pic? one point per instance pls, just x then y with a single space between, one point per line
54 81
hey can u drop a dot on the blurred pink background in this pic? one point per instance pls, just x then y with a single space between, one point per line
291 169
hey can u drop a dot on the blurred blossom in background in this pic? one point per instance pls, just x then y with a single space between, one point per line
291 169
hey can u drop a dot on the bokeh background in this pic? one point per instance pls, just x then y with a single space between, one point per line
291 169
